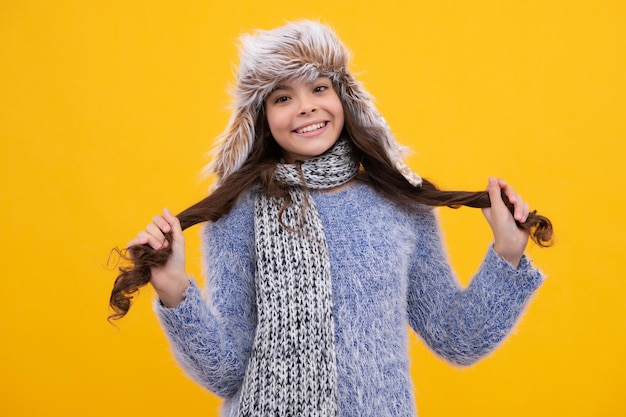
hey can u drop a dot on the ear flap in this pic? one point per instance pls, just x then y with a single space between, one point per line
234 144
362 107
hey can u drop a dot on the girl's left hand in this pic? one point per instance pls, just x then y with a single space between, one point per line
509 240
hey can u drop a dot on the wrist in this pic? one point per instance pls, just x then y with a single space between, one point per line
513 260
511 257
173 293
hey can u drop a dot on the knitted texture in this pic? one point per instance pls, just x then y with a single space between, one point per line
389 270
292 370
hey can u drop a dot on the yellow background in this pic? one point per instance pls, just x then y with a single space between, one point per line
107 109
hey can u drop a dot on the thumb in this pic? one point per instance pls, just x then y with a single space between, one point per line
495 193
175 228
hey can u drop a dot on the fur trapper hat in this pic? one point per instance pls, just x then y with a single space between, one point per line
304 50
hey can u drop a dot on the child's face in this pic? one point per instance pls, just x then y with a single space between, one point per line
305 118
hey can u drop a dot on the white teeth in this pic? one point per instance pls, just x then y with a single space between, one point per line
311 128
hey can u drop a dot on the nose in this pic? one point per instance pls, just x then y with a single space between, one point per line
307 107
303 112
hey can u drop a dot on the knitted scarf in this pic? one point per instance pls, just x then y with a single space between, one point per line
292 369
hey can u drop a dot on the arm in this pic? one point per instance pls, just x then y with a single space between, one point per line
211 338
464 325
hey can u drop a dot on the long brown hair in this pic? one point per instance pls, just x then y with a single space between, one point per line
377 170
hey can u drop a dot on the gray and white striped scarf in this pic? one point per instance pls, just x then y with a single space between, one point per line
292 369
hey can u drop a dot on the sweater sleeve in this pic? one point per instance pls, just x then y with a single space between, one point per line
462 325
211 336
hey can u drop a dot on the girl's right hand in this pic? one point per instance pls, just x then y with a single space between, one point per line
171 280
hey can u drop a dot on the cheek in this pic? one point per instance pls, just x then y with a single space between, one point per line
339 115
277 121
338 108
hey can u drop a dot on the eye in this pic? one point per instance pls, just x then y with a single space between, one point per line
280 99
320 88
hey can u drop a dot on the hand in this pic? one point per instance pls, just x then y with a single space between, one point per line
509 240
171 280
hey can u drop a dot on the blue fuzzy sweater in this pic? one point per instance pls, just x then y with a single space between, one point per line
389 270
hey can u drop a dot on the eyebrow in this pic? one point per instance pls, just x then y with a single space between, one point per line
280 87
285 87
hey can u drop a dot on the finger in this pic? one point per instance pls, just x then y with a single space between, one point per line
518 204
520 207
494 190
174 224
161 223
156 232
140 239
144 237
526 212
508 191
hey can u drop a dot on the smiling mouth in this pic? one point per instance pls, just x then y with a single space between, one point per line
311 128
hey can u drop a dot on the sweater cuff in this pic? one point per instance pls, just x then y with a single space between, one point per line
524 263
525 270
180 314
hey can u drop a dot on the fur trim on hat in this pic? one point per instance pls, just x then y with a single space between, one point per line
303 50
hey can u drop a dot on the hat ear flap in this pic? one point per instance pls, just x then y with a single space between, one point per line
234 144
361 106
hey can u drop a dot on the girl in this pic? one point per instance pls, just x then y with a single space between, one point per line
321 249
